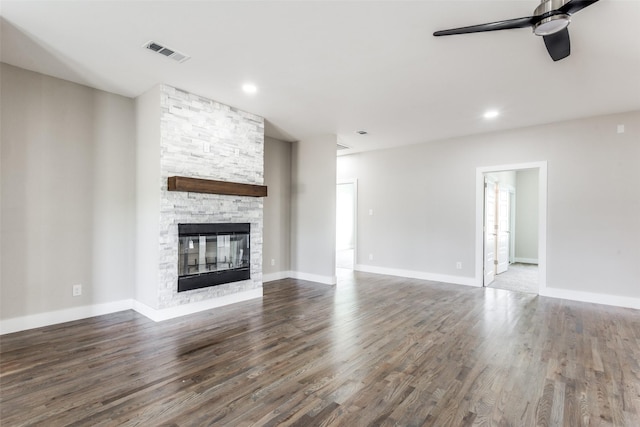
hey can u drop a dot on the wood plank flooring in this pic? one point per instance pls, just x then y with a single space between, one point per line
375 351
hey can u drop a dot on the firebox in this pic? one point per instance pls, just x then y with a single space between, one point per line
212 254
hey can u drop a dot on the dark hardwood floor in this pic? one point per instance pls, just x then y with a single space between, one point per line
376 350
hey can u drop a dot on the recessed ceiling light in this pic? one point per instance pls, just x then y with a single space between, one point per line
362 132
491 114
249 88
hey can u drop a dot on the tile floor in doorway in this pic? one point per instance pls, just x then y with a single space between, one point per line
519 277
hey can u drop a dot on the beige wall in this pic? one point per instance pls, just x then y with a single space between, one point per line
426 224
68 194
277 207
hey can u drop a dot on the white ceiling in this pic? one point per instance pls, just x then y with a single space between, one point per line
341 66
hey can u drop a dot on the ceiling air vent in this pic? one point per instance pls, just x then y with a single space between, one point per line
169 53
342 147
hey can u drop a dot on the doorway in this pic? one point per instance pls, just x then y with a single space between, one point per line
346 212
497 259
499 212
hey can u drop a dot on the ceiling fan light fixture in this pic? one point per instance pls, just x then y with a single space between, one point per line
549 20
551 25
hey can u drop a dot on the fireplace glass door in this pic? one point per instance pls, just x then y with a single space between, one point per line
212 254
207 253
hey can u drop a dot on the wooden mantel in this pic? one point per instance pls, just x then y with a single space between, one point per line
210 186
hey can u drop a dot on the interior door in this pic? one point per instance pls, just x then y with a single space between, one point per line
489 231
345 224
504 227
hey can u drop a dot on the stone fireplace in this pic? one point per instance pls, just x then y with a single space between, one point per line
199 139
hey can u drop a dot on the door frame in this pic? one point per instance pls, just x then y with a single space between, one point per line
485 271
509 190
512 225
353 181
542 218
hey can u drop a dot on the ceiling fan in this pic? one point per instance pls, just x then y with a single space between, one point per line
550 20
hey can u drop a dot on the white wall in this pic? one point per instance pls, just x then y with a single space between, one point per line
507 179
425 223
526 238
68 194
277 209
313 209
147 196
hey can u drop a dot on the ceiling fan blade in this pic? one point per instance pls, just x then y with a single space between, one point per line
492 26
558 44
575 6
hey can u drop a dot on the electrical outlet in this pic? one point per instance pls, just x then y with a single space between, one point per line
458 265
76 290
273 262
370 212
370 257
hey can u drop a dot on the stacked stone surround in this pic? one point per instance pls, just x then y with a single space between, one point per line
201 138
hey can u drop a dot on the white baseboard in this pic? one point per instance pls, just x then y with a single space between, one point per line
39 320
23 323
526 260
183 310
456 280
270 277
326 280
606 299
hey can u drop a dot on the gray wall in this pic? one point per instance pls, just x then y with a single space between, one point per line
68 194
425 223
526 239
313 209
277 207
69 177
